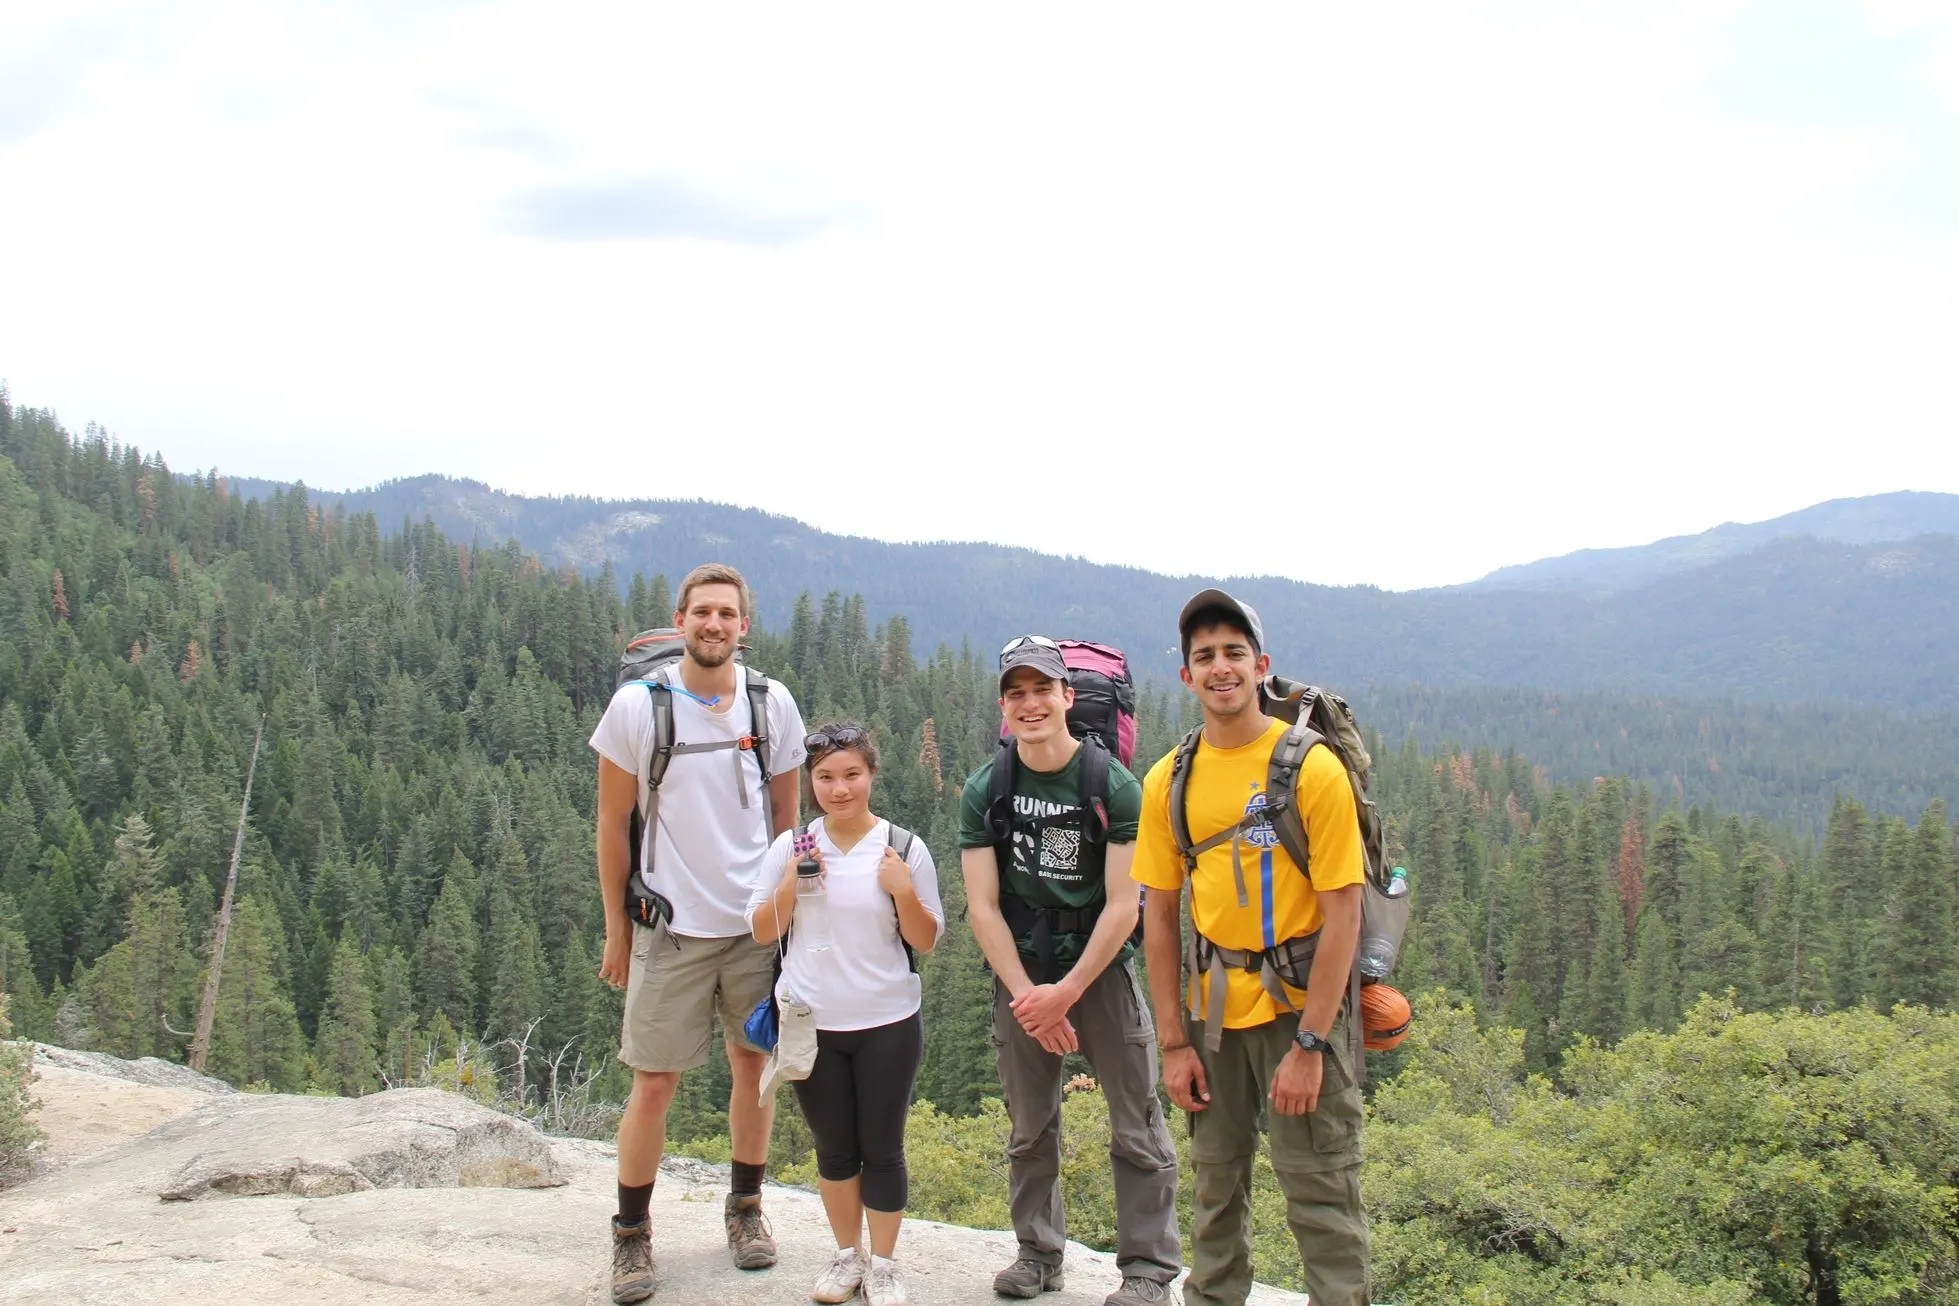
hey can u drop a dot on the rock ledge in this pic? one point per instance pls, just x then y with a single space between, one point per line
407 1198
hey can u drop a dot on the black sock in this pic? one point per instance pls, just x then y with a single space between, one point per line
634 1199
747 1178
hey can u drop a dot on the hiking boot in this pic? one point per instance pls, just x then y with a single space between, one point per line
632 1261
749 1240
1027 1277
1138 1291
839 1280
884 1286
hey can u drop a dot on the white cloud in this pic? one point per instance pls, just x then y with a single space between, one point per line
1457 288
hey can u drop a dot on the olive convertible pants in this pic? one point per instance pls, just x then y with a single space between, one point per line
1117 1036
1316 1158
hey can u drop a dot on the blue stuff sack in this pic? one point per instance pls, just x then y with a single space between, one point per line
761 1027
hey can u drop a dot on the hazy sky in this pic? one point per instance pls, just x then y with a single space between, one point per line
1350 293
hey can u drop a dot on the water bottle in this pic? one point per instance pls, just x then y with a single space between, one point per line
1384 919
812 903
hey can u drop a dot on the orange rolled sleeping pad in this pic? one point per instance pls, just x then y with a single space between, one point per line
1384 1017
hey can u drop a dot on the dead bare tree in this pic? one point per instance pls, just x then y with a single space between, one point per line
521 1045
207 1011
568 1105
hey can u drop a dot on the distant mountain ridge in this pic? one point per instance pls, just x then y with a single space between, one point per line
1794 619
1875 519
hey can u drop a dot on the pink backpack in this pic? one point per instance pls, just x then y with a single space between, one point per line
1105 696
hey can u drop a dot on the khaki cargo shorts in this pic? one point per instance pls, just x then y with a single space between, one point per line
673 989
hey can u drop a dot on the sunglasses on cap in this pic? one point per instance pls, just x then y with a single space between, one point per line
1021 640
830 740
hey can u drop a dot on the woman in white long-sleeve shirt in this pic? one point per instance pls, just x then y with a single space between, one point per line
864 997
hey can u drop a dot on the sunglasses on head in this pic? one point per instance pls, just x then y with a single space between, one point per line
830 739
1017 642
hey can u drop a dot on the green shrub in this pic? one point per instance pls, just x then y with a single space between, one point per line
18 1135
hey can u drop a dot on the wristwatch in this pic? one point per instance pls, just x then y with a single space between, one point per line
1310 1041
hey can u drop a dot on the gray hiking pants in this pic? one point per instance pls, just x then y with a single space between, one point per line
1118 1038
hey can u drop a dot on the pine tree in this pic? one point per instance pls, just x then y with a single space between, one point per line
636 602
31 1012
1717 949
98 780
928 755
1848 873
568 1000
402 1042
344 1052
145 987
134 869
515 994
255 1037
1655 997
20 838
1606 979
1918 949
1529 982
445 958
1632 871
18 1134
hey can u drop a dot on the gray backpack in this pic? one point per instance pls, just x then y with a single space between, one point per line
650 659
1317 717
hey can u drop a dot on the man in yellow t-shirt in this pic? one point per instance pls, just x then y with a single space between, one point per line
1250 900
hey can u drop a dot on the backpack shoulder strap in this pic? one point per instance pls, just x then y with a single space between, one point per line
661 695
758 719
1282 790
758 729
1095 790
1180 765
901 840
1000 792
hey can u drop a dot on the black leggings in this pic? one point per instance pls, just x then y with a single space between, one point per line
856 1099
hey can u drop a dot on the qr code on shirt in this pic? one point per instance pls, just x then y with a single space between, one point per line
1061 849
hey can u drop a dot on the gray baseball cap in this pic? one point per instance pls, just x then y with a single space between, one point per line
1037 652
1219 599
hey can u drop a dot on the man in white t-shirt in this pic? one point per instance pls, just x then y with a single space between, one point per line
701 854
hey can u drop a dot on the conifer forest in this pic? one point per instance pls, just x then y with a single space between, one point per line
1664 1053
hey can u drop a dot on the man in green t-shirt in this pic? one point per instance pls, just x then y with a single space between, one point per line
1051 903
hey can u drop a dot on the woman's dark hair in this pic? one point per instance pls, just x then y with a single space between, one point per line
842 737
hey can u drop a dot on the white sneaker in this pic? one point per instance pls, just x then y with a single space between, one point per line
884 1286
839 1280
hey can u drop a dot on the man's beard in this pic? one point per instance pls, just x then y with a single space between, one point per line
708 657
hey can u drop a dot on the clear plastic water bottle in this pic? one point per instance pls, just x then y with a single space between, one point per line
1384 920
812 903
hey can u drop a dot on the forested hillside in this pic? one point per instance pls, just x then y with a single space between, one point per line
417 898
1781 762
1791 620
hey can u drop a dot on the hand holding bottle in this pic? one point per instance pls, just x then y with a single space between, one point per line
805 860
812 902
